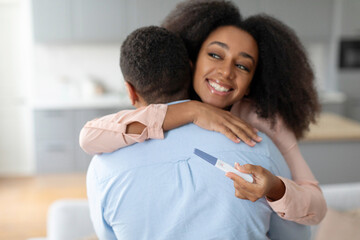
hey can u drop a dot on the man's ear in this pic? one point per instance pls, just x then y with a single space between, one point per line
133 96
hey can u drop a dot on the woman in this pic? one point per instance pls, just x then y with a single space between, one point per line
257 68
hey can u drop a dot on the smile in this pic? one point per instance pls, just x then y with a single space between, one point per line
218 88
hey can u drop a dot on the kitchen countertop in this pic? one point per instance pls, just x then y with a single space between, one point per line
329 127
332 127
103 101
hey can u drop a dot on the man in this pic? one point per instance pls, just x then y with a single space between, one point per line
159 189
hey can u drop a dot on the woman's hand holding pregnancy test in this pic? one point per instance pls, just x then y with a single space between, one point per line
222 165
265 183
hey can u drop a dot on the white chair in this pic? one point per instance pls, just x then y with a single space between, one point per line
68 219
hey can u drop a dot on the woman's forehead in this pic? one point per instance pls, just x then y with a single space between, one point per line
234 39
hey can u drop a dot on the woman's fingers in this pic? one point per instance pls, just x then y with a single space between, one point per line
241 127
215 119
228 133
239 185
235 133
242 135
236 178
248 168
242 130
246 190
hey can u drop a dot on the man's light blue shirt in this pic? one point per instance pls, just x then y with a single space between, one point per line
160 189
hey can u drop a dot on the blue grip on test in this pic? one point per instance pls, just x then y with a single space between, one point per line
205 156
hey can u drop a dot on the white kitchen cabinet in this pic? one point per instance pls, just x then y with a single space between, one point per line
353 109
153 12
81 20
101 20
349 83
53 141
55 156
52 123
333 161
248 7
52 20
332 149
56 138
113 20
310 19
350 18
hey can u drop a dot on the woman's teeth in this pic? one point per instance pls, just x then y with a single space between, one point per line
218 87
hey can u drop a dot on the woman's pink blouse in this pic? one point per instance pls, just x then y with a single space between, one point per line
108 133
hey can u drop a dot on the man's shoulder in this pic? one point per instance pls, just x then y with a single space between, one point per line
182 140
179 144
104 166
266 146
278 165
192 136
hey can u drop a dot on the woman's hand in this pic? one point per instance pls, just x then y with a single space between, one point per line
219 120
265 183
210 118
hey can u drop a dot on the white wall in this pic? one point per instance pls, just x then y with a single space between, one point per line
67 67
29 71
15 69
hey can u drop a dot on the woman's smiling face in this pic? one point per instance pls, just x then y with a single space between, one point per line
225 66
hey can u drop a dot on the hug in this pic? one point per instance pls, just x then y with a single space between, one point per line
239 89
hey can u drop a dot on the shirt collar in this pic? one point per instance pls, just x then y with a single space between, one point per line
179 101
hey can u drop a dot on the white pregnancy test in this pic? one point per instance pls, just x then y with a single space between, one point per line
222 165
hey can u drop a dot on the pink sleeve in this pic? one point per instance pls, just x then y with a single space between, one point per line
303 201
108 133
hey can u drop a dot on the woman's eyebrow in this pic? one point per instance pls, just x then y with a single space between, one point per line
221 44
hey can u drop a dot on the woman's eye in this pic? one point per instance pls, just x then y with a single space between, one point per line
242 67
214 55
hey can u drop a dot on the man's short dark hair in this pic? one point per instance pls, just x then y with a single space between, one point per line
156 63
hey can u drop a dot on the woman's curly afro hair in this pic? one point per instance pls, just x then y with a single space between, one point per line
283 84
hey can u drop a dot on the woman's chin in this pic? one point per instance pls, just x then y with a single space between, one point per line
219 104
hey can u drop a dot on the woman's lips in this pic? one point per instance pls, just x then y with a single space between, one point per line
217 88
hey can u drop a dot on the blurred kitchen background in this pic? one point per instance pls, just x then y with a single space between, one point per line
59 69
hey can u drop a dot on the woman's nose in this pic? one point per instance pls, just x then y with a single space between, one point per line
226 70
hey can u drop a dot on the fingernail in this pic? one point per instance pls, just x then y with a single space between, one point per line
237 140
259 138
253 142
